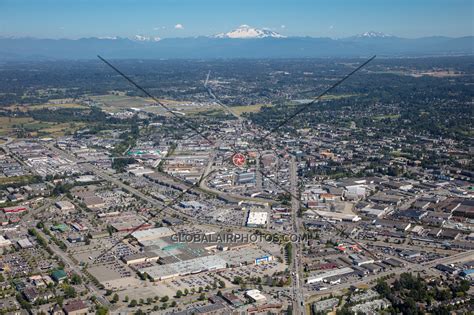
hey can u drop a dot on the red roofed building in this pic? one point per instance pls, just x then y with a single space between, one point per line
16 209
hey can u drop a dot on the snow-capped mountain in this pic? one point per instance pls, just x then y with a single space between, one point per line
231 45
372 34
245 31
141 38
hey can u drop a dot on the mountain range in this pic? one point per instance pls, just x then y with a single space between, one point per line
243 42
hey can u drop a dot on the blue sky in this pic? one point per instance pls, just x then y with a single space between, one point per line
182 18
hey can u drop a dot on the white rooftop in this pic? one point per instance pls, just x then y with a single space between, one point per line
257 218
151 234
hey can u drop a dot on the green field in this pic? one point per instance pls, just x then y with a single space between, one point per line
239 110
9 125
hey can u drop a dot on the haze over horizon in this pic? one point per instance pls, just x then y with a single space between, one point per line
186 18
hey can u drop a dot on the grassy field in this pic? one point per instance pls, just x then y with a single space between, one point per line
16 179
51 106
25 108
239 110
8 126
115 103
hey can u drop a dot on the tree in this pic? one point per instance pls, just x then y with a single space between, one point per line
76 279
202 297
179 294
69 292
382 288
237 280
133 303
164 299
101 310
115 298
173 304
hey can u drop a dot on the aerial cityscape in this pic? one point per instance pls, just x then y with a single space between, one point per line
236 165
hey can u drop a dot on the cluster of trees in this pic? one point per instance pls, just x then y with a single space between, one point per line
41 240
409 290
387 103
56 241
66 115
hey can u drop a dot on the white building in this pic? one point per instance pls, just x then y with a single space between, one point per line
257 218
335 216
328 274
255 295
65 205
152 234
184 267
4 242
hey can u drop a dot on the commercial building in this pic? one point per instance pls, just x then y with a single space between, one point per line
263 259
334 216
255 295
186 267
257 218
59 275
24 243
325 305
245 178
152 234
329 274
139 258
15 209
64 205
76 307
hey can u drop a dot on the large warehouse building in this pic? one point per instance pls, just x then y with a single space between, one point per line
329 274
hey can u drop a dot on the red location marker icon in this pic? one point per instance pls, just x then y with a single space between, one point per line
238 159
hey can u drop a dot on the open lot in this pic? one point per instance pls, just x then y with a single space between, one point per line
8 125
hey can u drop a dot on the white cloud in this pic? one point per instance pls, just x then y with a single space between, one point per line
283 26
331 27
179 26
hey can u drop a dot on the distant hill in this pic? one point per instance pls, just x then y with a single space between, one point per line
244 42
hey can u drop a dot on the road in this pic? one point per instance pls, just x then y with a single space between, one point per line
72 265
60 253
99 172
297 280
258 174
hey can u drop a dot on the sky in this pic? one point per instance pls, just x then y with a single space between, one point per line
185 18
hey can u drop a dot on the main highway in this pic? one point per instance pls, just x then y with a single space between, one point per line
297 279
